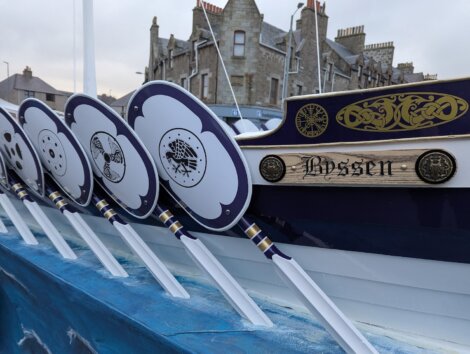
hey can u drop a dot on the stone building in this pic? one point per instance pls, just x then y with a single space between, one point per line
254 53
18 87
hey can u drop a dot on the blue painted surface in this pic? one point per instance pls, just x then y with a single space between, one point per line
51 305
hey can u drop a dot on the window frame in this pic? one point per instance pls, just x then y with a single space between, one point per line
239 44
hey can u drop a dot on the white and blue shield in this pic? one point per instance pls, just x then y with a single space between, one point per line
200 166
61 154
121 164
19 153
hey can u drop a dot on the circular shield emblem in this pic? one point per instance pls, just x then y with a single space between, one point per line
436 166
272 168
183 157
311 120
52 152
108 156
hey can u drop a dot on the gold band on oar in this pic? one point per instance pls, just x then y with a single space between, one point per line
101 204
22 194
165 216
61 203
264 244
109 214
252 231
16 186
54 195
175 226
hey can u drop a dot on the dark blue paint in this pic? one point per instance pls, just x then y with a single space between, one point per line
287 134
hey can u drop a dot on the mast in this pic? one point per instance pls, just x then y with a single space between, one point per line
89 72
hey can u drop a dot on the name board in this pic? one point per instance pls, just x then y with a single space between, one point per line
360 168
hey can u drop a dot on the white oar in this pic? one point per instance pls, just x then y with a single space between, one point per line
86 233
316 301
41 218
140 248
227 285
17 220
3 228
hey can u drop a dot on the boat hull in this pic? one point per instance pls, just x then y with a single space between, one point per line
418 296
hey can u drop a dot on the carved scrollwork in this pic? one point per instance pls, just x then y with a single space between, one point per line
402 112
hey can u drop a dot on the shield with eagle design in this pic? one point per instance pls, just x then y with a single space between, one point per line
61 155
200 166
20 154
122 165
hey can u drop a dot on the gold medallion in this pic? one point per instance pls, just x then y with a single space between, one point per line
311 120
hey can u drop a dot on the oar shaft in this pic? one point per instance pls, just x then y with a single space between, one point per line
87 234
46 224
206 261
17 220
316 301
154 265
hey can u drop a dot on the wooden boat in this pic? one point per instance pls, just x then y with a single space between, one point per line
367 190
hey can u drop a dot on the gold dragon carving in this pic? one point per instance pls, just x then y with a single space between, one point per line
402 112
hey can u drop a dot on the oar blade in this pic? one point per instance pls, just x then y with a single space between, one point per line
318 303
227 285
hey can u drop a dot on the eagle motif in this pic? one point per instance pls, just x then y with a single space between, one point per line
183 156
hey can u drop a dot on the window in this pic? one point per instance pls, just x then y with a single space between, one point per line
299 90
274 91
239 44
29 94
204 86
330 71
50 97
170 54
359 72
183 82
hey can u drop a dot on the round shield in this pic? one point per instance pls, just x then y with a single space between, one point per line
19 153
200 166
61 154
121 164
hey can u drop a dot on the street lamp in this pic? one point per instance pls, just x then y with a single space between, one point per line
288 54
8 68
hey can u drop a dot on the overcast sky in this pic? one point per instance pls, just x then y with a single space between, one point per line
434 34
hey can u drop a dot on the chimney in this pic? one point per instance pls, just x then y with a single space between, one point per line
406 68
353 38
28 73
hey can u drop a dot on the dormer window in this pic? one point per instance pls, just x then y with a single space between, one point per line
239 44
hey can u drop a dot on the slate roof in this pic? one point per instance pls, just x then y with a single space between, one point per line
21 82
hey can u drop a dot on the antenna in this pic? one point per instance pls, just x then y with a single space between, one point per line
221 59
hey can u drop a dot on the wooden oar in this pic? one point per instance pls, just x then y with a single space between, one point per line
86 233
154 265
115 143
204 258
311 295
17 220
197 162
49 229
68 166
3 228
